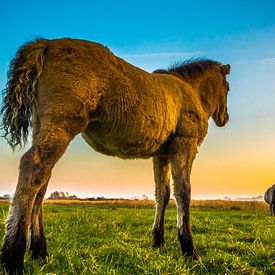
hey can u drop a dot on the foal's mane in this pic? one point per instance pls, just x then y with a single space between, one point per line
191 68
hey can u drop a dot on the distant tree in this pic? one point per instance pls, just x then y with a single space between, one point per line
100 198
54 195
5 197
91 199
59 195
72 197
144 197
135 198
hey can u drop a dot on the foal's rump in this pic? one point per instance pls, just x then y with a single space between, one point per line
69 84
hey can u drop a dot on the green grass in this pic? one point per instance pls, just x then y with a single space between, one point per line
105 238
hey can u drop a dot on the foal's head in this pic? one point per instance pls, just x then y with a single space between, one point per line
220 114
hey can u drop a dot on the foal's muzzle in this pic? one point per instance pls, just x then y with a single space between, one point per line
221 120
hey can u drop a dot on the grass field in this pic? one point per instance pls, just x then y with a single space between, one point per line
115 238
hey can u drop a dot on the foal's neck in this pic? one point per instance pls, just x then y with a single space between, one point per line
205 85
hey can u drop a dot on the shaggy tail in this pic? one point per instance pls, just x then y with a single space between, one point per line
19 93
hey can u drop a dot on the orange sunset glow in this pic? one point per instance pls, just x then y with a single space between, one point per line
224 166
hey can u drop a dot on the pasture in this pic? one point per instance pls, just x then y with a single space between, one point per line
115 238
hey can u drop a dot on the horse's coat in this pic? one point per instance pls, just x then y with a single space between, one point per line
65 87
269 197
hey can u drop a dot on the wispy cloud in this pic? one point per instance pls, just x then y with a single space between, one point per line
270 60
162 54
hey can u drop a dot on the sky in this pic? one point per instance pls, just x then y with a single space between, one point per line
237 160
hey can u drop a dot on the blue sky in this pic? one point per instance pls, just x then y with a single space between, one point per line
141 26
151 35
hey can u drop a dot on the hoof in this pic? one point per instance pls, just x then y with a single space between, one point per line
194 255
38 248
158 238
187 248
39 255
11 265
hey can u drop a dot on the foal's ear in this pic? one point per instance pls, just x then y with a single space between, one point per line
225 69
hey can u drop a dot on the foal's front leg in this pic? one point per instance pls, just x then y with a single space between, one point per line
162 194
181 163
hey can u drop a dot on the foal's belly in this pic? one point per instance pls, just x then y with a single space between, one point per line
121 142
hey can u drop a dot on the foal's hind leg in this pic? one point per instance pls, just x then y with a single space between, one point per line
37 241
162 194
35 171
